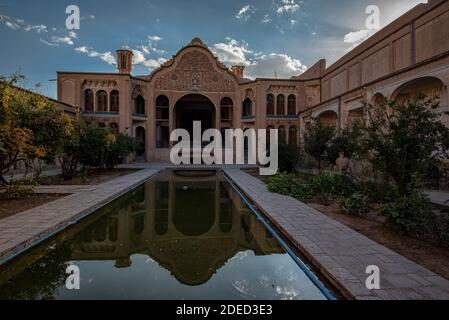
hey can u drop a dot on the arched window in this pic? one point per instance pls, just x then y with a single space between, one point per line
281 105
247 107
101 125
282 135
291 105
162 105
270 105
88 100
162 125
102 101
226 106
115 101
292 136
114 127
139 105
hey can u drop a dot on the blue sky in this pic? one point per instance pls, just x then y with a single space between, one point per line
269 37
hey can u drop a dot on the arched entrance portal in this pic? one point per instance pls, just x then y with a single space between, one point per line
194 107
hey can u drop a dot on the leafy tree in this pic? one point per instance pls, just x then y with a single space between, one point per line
316 142
347 140
117 152
31 127
91 146
405 138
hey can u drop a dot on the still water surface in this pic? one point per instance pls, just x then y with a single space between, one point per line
180 236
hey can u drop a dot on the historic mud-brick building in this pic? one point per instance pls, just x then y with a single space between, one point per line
408 56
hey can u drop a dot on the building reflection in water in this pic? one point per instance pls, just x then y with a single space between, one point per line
190 224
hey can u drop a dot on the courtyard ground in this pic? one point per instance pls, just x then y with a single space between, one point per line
11 207
428 254
341 249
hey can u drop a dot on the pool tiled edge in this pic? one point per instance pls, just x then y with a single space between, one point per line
26 229
341 253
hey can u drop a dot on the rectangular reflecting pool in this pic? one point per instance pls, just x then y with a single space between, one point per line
183 235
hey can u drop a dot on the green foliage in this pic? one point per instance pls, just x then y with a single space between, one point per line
94 142
405 139
286 184
337 185
410 213
31 127
357 204
91 146
316 142
117 152
324 186
18 189
347 140
288 157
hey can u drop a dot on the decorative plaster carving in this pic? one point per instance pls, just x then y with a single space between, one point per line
288 89
195 72
249 93
99 84
138 90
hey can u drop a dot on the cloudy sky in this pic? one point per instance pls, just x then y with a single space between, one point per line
269 37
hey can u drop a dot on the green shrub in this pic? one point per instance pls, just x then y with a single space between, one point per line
324 186
117 152
410 213
356 204
92 146
285 183
338 185
15 191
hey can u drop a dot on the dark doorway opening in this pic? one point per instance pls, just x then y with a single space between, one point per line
194 107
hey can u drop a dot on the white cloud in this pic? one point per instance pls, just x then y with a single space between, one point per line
288 6
154 63
47 43
12 25
358 36
245 12
67 40
38 28
269 65
82 49
233 52
20 24
107 57
140 58
266 19
154 38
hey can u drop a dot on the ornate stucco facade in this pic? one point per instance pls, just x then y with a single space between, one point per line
408 56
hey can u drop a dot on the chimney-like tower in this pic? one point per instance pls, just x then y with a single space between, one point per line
238 71
124 61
